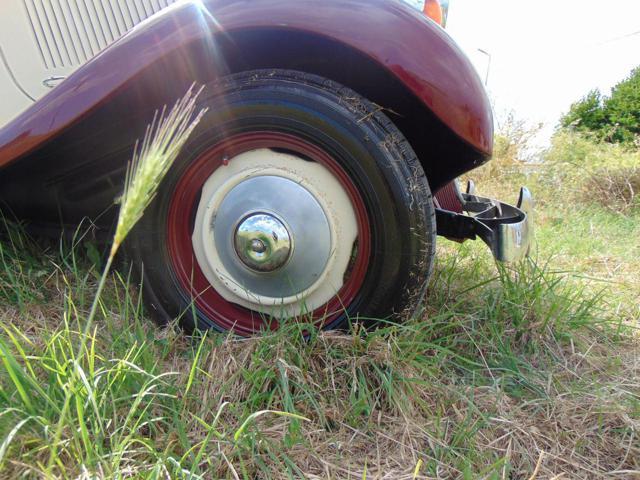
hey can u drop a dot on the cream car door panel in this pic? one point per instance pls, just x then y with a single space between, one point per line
12 99
43 41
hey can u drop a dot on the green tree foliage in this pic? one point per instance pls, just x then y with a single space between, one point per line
615 119
623 109
587 114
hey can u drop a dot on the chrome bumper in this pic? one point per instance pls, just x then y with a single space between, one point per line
506 229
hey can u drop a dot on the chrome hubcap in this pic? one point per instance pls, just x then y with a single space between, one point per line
262 242
257 250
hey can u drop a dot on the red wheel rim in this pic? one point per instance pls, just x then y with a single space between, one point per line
184 201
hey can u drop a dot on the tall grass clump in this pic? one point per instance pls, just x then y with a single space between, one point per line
163 140
617 189
22 265
593 172
74 365
577 168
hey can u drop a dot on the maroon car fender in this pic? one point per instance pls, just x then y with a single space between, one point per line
411 48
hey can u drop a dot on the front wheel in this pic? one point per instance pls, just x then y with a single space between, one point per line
295 199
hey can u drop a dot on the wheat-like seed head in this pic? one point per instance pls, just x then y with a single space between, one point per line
163 140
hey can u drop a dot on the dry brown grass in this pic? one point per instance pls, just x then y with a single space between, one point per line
615 189
566 434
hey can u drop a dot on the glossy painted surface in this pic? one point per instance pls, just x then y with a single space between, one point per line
412 48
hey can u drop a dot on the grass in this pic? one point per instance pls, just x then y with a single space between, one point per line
530 371
583 232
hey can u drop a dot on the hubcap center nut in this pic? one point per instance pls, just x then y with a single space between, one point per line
258 246
262 242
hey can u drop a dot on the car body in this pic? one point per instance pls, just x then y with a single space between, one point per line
79 84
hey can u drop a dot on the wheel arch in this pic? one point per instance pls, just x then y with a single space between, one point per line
442 153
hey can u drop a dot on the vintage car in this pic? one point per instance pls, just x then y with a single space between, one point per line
306 190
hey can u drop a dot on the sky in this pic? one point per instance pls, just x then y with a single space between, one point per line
545 55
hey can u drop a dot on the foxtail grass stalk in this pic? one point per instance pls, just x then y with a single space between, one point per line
163 140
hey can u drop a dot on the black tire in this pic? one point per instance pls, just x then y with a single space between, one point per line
366 144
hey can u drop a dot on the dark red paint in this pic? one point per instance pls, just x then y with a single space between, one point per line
448 199
414 49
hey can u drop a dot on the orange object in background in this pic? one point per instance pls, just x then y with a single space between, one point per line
433 10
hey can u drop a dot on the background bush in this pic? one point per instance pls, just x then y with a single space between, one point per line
615 119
